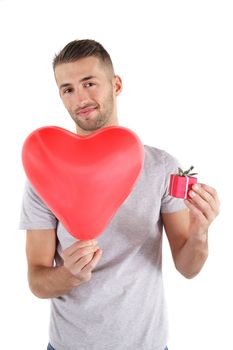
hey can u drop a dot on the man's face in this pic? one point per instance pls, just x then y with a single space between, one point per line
88 90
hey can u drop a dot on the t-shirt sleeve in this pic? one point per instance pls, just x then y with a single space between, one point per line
170 204
34 212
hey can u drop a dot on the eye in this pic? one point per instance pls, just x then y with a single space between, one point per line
67 91
88 84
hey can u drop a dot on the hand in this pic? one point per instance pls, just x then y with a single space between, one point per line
81 258
204 207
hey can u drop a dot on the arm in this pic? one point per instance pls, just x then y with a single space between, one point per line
48 281
187 230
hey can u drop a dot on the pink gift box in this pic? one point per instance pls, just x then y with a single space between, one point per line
181 185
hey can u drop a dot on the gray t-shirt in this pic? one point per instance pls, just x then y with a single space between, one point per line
122 307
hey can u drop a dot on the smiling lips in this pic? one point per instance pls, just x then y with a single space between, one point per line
86 111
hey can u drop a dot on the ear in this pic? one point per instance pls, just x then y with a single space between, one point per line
117 85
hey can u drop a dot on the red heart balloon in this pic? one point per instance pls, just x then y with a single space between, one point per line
83 179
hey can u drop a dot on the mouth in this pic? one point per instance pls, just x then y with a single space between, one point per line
86 111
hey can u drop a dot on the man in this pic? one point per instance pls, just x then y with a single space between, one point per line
109 294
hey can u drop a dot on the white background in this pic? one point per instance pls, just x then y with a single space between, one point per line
176 62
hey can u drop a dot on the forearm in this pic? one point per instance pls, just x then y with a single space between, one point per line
192 255
51 282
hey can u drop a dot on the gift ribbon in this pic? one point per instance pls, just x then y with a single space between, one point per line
186 186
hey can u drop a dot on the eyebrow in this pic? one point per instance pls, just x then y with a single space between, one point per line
81 81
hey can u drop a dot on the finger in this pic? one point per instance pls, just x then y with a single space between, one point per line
202 205
77 245
79 254
84 261
212 191
92 264
76 268
206 196
209 189
196 212
209 196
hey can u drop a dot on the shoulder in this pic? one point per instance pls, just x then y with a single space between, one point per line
160 158
31 193
32 199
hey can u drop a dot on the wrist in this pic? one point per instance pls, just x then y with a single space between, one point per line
199 242
72 280
199 236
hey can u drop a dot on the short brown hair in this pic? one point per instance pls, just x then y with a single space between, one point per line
78 49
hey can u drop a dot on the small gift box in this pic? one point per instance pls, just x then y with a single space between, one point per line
181 183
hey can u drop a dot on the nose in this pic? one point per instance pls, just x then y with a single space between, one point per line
81 97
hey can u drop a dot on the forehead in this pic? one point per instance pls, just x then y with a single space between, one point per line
89 66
